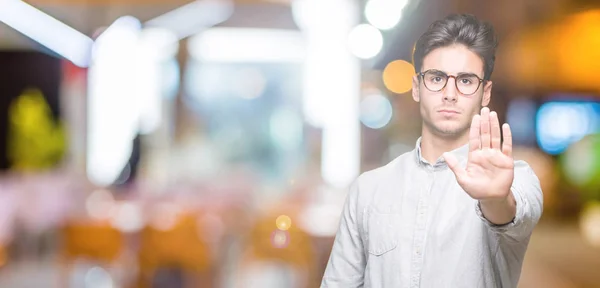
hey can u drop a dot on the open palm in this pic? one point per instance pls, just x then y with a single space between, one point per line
489 172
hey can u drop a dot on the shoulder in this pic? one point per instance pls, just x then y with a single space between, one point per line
371 179
381 173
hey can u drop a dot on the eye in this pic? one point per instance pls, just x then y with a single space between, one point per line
437 79
467 80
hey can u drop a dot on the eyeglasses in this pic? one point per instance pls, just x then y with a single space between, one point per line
436 80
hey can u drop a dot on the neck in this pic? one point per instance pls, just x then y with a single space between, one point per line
433 145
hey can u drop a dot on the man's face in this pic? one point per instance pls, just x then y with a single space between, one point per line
448 112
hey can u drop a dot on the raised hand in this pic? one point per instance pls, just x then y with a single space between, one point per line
489 172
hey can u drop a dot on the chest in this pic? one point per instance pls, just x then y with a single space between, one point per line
419 207
422 224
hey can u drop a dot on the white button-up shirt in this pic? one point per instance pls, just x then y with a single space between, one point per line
409 224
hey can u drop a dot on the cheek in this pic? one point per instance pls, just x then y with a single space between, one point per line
428 98
471 109
472 104
425 106
431 105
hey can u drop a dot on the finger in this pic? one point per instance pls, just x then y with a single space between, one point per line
495 132
485 128
507 137
453 164
474 140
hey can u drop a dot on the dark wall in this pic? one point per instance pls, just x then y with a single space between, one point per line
20 70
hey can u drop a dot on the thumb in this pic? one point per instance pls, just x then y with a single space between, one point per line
452 162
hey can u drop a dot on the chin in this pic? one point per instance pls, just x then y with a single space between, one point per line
450 129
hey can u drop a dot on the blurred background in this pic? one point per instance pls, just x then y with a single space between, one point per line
210 143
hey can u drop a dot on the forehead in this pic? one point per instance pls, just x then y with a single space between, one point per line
453 60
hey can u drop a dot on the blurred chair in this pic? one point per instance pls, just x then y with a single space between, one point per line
268 246
95 241
178 248
3 256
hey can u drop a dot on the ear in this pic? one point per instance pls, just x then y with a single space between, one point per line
487 94
415 88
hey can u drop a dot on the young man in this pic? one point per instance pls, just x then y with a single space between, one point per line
457 211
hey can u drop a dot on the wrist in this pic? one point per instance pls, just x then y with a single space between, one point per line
504 200
498 198
499 210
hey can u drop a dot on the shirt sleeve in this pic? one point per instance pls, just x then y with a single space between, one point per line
528 196
347 261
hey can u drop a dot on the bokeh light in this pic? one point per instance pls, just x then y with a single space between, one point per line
581 162
100 204
398 75
365 41
280 239
375 111
97 277
384 14
165 216
579 50
559 124
128 217
590 224
283 222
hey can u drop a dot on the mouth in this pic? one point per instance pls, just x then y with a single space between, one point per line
448 112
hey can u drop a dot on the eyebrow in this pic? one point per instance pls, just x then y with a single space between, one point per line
467 74
459 74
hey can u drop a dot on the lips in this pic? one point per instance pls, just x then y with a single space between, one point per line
448 111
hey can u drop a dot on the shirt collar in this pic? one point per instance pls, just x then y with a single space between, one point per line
461 153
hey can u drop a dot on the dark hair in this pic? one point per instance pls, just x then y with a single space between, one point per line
464 29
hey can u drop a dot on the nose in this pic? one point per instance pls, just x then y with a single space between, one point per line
450 93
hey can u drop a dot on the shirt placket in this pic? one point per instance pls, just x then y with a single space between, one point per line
420 230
